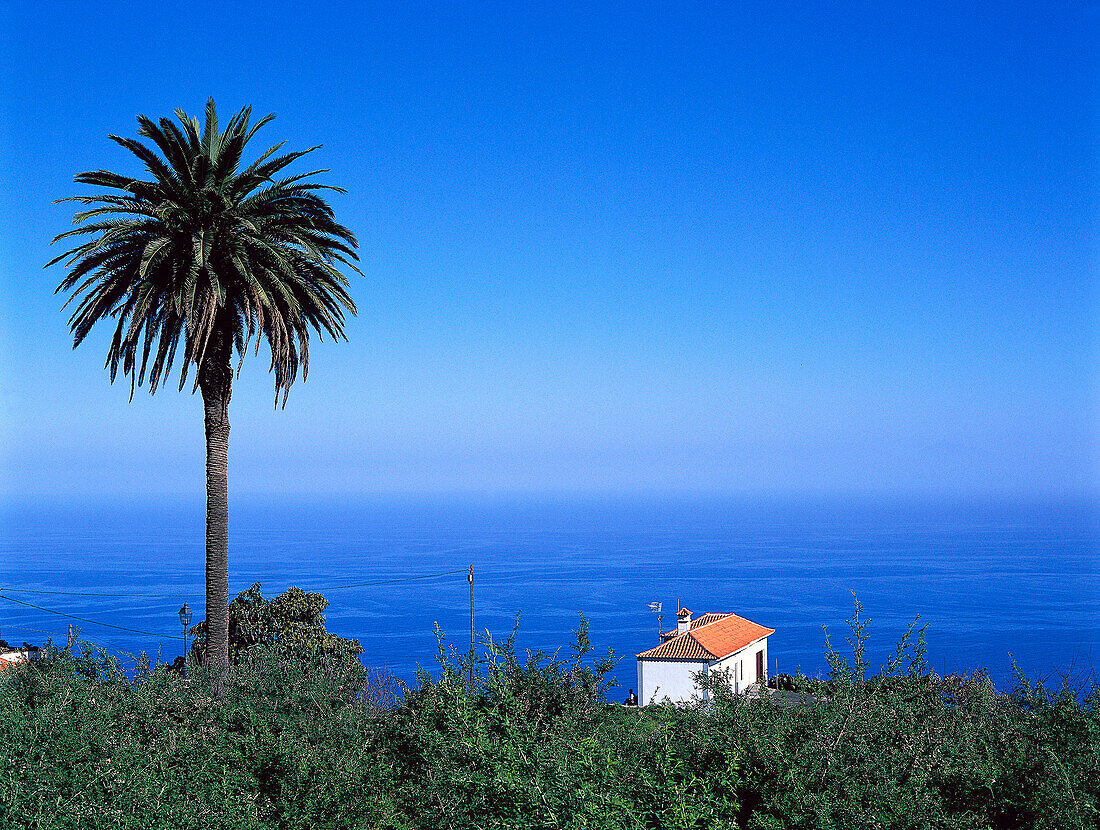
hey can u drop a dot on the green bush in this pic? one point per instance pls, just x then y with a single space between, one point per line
906 748
85 746
314 740
534 744
292 623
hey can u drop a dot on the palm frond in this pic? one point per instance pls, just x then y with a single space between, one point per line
205 253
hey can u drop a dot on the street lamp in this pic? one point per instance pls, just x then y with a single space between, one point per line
185 620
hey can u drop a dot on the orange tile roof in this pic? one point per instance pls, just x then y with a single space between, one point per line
711 637
684 647
702 619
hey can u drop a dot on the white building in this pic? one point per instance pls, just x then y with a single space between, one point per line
711 643
11 657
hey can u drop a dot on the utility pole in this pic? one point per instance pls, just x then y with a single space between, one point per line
470 576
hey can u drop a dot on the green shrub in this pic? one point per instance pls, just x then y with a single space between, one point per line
292 623
906 748
85 746
534 744
315 740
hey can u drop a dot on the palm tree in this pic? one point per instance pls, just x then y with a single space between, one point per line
215 256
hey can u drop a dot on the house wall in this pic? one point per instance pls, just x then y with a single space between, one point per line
658 679
741 665
13 657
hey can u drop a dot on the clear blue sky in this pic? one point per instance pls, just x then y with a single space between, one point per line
648 247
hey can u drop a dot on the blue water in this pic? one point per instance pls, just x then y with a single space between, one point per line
990 580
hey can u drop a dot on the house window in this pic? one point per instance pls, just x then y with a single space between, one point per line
759 665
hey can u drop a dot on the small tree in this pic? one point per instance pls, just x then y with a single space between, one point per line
292 623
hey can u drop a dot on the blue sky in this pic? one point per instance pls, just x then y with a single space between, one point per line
640 248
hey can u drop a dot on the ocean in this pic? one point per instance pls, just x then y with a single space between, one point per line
996 583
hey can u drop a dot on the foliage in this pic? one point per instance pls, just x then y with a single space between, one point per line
303 742
907 748
86 746
535 745
291 624
204 248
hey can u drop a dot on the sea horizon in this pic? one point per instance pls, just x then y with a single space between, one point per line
998 581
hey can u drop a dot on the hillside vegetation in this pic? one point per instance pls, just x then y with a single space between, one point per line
315 741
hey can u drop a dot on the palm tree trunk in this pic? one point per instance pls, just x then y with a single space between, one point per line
216 384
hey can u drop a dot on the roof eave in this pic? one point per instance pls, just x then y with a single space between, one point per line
676 659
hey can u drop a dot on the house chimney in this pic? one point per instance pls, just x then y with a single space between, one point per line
683 621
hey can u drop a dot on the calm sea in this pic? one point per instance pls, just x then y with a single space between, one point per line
994 582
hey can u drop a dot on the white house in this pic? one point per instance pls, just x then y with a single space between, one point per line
710 643
11 657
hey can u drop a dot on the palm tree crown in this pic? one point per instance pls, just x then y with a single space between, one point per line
207 252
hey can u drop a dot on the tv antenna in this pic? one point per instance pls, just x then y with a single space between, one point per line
655 607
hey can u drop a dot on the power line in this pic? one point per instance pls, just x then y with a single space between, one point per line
179 594
93 622
169 636
390 581
88 594
24 628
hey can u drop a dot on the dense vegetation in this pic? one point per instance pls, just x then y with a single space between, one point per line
314 741
291 624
